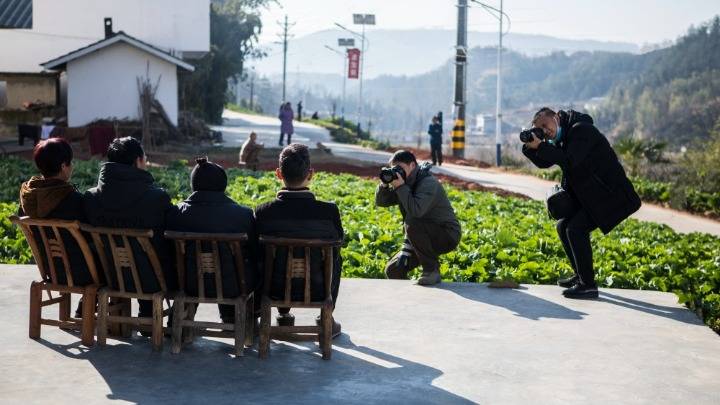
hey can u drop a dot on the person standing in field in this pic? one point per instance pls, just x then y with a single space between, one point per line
435 132
286 117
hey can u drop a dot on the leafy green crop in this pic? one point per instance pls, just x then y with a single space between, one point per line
502 237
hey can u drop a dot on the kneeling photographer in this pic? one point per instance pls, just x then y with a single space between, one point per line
594 191
431 228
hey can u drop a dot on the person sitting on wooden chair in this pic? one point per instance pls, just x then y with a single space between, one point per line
209 210
249 152
126 197
51 196
295 213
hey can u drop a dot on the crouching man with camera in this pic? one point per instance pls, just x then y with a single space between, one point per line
431 228
594 192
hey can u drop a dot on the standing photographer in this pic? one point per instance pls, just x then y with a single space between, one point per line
431 228
598 193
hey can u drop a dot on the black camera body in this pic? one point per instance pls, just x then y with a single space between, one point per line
388 174
526 135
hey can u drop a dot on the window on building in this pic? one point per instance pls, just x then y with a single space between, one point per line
16 14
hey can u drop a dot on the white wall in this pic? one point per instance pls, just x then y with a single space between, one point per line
104 84
62 26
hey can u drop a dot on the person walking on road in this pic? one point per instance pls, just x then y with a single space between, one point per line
299 110
435 131
286 117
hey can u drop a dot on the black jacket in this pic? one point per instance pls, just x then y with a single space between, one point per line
435 132
214 212
127 197
297 214
591 170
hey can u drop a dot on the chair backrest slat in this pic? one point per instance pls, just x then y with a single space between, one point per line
123 257
55 247
298 268
209 262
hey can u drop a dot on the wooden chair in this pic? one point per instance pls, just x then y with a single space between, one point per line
119 251
207 250
297 268
45 237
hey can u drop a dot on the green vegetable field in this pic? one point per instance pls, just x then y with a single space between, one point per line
502 237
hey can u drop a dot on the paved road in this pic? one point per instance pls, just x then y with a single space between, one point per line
237 127
458 343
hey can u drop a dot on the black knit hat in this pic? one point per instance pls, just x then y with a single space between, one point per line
208 176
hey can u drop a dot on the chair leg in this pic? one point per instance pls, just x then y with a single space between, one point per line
88 315
264 346
102 314
157 322
178 317
35 309
189 331
126 330
326 337
250 321
64 310
240 318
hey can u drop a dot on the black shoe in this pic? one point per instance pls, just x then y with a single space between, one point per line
336 327
568 282
285 319
581 291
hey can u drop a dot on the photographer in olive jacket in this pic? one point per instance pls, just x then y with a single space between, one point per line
601 194
431 228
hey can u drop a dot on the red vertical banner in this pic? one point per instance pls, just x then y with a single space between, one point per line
353 63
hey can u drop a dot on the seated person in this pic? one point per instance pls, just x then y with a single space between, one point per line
209 210
249 152
126 197
295 213
51 196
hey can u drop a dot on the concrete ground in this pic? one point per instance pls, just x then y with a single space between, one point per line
401 343
238 126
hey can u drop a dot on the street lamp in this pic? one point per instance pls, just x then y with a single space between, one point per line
360 19
498 106
341 42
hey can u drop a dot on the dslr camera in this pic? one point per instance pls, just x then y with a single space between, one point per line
388 174
526 135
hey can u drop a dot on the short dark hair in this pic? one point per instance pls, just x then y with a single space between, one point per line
125 150
403 156
49 155
543 112
294 163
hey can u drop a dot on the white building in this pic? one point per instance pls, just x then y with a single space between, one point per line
102 79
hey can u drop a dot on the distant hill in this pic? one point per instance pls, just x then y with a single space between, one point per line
413 52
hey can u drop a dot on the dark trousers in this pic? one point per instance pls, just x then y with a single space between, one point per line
429 240
282 136
574 234
436 153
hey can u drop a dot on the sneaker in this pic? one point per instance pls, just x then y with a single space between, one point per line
336 327
581 291
429 278
568 282
285 319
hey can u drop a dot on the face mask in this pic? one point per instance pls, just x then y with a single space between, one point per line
558 134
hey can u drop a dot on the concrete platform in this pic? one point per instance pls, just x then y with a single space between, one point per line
457 343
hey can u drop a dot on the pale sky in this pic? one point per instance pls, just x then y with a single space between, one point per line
638 21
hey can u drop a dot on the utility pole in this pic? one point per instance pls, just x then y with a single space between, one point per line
252 91
498 106
458 132
286 27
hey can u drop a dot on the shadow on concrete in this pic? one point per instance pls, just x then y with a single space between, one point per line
206 372
519 302
675 313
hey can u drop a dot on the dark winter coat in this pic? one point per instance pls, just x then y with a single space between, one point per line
56 199
591 170
297 214
127 197
214 212
435 131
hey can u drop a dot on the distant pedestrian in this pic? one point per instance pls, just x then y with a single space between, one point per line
435 131
286 116
249 152
315 116
299 108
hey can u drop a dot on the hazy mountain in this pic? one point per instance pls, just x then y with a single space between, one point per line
412 52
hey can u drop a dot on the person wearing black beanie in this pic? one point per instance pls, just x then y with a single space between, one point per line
209 210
